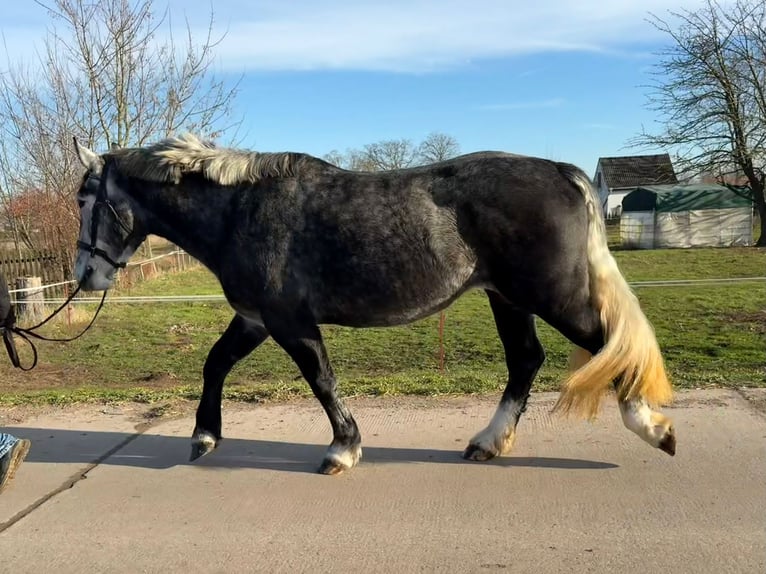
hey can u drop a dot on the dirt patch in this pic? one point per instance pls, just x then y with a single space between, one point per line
43 377
47 377
756 398
138 413
756 317
686 402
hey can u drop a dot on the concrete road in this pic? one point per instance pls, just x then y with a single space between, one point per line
101 494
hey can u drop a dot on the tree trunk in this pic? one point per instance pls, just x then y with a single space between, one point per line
757 181
760 206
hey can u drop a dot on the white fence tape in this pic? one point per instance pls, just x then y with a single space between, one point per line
41 288
158 257
694 282
219 298
52 285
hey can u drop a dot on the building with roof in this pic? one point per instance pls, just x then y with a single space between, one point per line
694 215
617 176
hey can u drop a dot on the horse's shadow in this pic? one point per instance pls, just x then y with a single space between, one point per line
160 452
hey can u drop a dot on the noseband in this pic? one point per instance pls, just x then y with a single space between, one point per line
101 200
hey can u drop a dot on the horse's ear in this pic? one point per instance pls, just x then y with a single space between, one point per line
114 146
89 159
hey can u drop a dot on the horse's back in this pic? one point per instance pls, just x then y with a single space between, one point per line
391 247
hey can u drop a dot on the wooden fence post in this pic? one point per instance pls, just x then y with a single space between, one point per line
442 321
31 305
68 307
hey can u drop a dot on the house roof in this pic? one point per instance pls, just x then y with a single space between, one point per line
635 170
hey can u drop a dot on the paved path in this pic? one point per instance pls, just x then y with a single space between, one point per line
99 494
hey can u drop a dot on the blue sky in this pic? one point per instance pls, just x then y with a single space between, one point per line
562 80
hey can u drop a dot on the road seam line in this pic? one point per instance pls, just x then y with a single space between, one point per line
72 480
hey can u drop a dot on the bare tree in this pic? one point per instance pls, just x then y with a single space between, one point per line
710 91
396 154
391 154
353 159
336 158
112 73
437 147
359 160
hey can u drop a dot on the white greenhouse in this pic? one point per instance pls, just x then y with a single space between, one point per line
698 215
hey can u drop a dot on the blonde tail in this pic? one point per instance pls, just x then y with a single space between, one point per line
631 354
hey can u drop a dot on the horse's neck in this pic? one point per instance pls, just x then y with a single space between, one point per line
193 219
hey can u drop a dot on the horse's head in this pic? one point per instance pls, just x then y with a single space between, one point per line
109 230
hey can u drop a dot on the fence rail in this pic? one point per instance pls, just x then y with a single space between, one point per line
46 267
219 298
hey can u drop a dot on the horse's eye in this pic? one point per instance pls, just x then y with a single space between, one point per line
80 203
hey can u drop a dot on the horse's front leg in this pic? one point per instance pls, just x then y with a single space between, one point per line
299 335
241 337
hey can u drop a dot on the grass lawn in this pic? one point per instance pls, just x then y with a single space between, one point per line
710 335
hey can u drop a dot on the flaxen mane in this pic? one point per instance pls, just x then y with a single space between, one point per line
172 158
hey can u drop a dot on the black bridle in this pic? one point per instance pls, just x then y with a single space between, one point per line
8 324
101 201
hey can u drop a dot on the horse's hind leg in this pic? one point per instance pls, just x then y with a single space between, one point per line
299 335
523 355
655 428
581 324
241 337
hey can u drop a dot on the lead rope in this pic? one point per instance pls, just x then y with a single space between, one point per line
8 328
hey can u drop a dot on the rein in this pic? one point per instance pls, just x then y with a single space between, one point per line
8 324
9 327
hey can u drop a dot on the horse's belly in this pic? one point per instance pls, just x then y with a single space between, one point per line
396 308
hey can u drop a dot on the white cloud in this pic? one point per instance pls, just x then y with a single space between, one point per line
402 35
426 35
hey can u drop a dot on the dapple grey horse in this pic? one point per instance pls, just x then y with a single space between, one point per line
297 242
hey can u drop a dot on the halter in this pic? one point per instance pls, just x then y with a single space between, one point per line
101 200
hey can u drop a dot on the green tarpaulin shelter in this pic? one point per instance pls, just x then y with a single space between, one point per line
694 215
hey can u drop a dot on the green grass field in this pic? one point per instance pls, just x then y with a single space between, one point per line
710 335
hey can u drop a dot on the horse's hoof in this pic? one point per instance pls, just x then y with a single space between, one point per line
668 443
655 428
477 453
331 468
337 460
202 443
